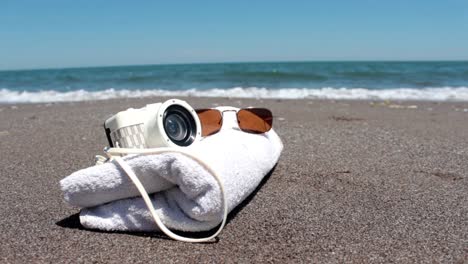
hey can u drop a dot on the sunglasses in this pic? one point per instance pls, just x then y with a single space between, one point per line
250 120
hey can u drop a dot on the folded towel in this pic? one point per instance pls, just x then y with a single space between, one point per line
184 193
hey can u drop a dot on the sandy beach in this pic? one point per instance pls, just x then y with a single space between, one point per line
357 181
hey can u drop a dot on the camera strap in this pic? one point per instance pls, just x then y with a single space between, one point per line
116 153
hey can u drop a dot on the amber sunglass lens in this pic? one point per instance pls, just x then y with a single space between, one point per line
211 121
255 120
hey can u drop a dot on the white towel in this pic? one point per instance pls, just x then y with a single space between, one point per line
185 195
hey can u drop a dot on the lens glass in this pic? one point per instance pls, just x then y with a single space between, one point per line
176 128
179 125
255 120
211 121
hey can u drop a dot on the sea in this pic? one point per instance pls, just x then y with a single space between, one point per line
371 80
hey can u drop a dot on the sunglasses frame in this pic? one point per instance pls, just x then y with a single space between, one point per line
270 122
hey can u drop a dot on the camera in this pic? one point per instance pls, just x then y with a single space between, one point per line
173 123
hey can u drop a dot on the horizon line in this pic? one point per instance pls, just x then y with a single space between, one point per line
228 62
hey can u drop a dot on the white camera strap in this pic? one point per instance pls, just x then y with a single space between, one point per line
116 153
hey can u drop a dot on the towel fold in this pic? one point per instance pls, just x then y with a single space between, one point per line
185 195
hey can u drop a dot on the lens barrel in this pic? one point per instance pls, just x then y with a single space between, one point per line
179 125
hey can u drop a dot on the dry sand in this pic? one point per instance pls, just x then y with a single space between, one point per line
356 182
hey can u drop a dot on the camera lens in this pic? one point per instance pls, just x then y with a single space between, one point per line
176 129
179 125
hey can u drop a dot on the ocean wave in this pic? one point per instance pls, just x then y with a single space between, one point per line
427 94
276 75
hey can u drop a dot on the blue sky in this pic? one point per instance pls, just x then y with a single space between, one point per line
62 33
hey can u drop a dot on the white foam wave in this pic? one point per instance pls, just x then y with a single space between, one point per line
428 94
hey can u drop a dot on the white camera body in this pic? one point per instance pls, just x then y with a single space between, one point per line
173 123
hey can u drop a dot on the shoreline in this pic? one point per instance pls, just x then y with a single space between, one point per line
227 99
434 94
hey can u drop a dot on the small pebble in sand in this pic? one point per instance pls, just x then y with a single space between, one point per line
13 107
281 118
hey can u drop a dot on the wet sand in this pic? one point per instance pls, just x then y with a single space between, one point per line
357 181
